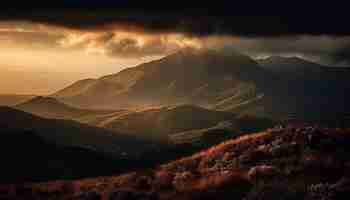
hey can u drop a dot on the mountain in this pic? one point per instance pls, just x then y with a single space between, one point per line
291 66
280 88
281 163
49 107
13 99
200 77
308 90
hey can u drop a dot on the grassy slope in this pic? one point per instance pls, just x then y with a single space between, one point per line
269 165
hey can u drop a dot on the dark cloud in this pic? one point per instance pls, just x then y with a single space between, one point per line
317 31
218 17
324 49
132 48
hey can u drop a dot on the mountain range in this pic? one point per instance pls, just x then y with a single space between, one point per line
201 77
171 107
276 87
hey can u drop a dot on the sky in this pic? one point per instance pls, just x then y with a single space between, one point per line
46 48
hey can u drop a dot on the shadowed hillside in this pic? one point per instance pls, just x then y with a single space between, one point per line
308 90
57 149
70 133
184 120
27 157
304 163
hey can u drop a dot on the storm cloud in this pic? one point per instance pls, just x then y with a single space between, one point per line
137 30
201 19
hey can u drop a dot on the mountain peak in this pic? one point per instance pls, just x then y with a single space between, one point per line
286 60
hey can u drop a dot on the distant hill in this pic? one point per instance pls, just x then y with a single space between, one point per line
189 76
13 99
275 87
50 107
308 90
162 123
71 133
293 66
153 123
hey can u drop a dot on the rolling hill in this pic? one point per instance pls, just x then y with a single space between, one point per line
71 133
184 120
50 107
154 123
12 99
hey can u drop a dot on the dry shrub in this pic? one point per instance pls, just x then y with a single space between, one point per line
163 180
263 172
219 179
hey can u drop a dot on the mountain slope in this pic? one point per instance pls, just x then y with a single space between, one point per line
310 90
160 123
25 157
70 133
13 99
49 107
276 87
188 76
293 66
307 163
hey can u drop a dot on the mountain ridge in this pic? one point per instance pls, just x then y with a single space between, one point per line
188 76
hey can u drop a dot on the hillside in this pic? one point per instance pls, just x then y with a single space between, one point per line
12 99
153 123
26 156
291 163
293 66
308 90
70 133
62 144
183 120
49 107
275 87
200 77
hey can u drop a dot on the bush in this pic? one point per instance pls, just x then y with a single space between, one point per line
87 195
182 180
129 194
274 191
321 191
263 172
163 180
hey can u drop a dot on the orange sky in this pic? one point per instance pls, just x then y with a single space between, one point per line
36 59
41 59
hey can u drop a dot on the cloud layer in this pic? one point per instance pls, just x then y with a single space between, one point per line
219 17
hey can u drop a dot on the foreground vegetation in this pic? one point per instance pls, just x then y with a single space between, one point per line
294 163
